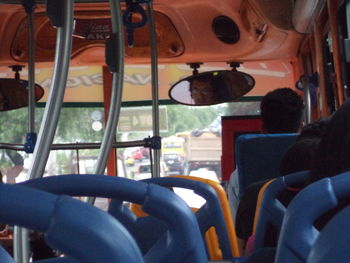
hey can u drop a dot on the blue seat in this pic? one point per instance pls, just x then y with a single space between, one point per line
332 245
209 215
298 234
181 242
272 211
257 158
75 228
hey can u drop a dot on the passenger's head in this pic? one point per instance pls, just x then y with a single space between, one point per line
314 130
333 156
202 90
301 155
281 111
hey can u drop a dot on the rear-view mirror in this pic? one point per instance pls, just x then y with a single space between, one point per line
14 94
211 87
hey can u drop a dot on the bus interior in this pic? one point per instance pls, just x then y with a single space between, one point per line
97 87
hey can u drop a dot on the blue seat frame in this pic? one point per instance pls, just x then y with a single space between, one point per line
182 241
209 215
332 245
272 211
73 227
298 234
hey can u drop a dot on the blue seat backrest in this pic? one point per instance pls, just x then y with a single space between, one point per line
181 243
209 215
332 245
5 256
298 234
258 157
79 230
272 211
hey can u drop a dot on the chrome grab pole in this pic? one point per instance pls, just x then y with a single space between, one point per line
55 99
307 98
17 244
52 111
155 97
117 91
21 253
21 249
31 74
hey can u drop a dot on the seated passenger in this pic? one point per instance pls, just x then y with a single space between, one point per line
332 156
299 157
281 112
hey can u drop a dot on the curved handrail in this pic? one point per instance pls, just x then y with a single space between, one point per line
117 91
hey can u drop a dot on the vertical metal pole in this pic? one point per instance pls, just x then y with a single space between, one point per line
348 17
52 111
17 243
155 97
78 161
337 59
25 245
55 99
31 74
320 68
117 91
307 98
21 253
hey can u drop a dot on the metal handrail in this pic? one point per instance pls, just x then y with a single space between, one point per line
117 90
51 115
155 97
76 146
55 99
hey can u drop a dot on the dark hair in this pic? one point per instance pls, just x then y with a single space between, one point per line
281 111
333 156
300 156
204 77
314 130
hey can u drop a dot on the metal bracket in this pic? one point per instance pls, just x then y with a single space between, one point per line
234 65
195 66
29 6
154 142
30 142
55 11
111 52
17 69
